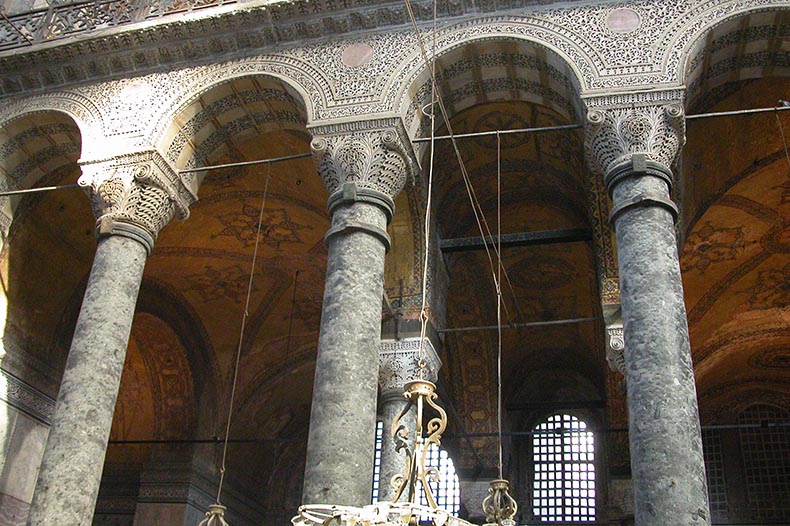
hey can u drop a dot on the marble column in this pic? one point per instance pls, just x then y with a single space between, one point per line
133 197
634 145
364 165
398 364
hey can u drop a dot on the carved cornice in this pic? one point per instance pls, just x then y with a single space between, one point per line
653 53
136 194
26 398
375 155
399 362
619 126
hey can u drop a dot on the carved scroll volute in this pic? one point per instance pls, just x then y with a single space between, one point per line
140 191
381 160
613 134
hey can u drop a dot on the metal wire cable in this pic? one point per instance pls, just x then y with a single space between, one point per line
499 298
241 341
427 228
480 219
782 133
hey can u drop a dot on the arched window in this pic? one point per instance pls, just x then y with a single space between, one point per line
563 488
447 492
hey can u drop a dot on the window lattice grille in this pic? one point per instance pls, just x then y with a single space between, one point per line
714 470
766 460
377 460
563 487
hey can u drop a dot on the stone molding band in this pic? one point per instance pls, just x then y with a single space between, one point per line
107 226
391 395
26 398
640 166
359 226
350 193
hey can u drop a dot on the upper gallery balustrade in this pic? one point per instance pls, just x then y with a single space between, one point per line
63 19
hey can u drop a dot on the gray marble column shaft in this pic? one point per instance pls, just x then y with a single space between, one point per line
341 441
73 459
666 449
392 462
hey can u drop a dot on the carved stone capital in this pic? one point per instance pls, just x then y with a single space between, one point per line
135 195
615 347
399 362
619 126
615 341
376 155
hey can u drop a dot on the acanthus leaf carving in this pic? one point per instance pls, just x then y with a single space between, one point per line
138 189
399 362
619 126
375 155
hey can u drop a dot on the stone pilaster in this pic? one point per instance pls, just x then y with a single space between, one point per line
399 362
632 141
364 165
133 197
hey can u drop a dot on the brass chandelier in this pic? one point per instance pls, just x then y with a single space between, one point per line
421 395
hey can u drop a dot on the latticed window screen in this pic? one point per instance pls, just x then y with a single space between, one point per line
714 470
447 491
377 460
563 488
766 460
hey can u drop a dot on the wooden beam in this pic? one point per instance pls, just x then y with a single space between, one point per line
520 239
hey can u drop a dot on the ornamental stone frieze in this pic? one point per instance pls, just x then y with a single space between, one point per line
611 46
136 195
372 160
399 362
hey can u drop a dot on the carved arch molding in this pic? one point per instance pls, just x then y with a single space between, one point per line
653 55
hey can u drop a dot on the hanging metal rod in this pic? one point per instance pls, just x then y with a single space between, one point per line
767 425
218 440
215 440
518 325
735 112
246 163
422 139
578 126
36 190
518 239
500 132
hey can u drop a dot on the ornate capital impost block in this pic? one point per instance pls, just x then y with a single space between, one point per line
399 362
649 124
615 347
364 161
135 195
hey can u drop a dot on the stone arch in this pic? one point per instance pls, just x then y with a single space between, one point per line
156 399
161 301
685 53
81 109
299 80
38 144
210 126
410 89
